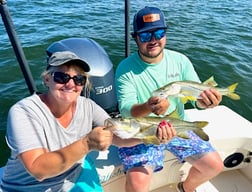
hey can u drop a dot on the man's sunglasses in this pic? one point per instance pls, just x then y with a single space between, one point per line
63 78
147 36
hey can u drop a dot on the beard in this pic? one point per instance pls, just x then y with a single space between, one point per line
149 54
152 50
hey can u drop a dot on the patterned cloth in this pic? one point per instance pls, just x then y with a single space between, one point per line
153 155
142 155
183 148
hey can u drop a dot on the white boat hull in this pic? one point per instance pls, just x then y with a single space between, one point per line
229 133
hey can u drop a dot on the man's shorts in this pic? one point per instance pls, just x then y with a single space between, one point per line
153 155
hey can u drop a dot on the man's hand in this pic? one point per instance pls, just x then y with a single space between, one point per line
158 105
209 98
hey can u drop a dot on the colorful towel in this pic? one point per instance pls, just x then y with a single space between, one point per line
88 180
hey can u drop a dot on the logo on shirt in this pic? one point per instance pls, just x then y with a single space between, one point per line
173 75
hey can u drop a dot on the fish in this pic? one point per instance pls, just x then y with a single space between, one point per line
145 128
191 90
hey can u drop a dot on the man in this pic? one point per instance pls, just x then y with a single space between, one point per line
137 76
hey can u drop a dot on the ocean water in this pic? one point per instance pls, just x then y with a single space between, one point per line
215 35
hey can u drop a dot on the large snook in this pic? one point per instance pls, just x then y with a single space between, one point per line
146 128
190 90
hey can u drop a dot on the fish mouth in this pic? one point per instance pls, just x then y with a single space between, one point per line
109 124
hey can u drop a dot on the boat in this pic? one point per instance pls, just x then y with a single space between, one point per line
229 133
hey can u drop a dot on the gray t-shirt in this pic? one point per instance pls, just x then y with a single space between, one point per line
31 125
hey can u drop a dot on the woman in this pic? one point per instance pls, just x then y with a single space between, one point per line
49 134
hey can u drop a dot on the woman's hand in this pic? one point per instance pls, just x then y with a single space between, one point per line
165 132
99 139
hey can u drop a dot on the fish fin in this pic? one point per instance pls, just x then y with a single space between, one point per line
231 93
201 124
146 128
211 82
183 135
151 140
174 114
187 98
184 100
201 134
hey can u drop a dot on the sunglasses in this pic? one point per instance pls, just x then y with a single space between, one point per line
147 36
63 78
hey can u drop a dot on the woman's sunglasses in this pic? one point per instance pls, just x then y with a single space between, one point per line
63 78
147 36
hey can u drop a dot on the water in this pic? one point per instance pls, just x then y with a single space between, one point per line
215 35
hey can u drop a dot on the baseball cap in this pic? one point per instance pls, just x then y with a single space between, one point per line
63 57
148 18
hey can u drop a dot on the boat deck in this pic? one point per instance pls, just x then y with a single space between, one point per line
229 134
234 180
228 181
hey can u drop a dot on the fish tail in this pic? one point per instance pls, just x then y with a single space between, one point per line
231 90
197 131
201 124
201 134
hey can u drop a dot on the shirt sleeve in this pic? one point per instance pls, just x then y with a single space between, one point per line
99 115
127 84
126 94
24 130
